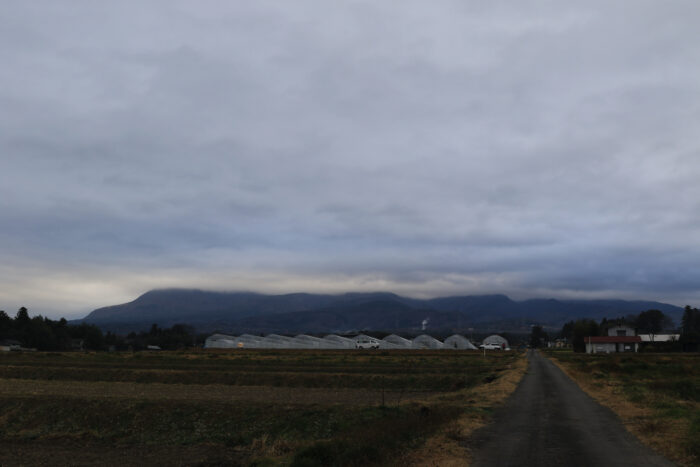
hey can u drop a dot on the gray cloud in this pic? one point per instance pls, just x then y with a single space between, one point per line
530 148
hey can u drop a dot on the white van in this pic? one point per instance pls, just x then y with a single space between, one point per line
490 347
367 343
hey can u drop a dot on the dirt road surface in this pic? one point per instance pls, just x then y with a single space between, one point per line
550 421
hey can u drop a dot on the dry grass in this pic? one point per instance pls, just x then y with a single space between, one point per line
667 436
448 447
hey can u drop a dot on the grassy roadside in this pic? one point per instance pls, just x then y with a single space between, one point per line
657 396
448 446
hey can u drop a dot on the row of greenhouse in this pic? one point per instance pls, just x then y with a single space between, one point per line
333 341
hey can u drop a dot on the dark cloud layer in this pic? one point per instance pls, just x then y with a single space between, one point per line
530 148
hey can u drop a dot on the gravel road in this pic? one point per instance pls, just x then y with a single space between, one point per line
550 421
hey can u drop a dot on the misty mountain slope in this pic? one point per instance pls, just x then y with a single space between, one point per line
476 305
170 306
370 315
302 312
181 305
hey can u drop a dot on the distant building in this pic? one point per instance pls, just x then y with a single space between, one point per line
660 337
558 343
620 338
9 344
621 331
612 344
77 344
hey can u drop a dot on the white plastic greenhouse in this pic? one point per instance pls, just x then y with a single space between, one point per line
248 341
219 341
496 340
425 341
458 342
275 341
333 341
398 341
343 342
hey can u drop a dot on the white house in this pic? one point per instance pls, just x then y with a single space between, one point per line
612 344
621 331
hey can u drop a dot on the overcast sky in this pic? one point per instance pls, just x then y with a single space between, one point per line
533 148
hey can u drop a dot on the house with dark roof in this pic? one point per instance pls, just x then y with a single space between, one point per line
619 339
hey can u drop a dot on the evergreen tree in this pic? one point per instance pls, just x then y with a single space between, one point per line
5 325
582 329
690 325
538 337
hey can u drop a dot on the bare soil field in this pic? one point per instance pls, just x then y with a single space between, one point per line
199 392
240 408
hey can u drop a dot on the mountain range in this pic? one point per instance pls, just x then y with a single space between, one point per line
239 312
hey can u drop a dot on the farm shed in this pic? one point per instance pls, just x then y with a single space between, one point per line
457 341
612 344
497 340
425 341
398 341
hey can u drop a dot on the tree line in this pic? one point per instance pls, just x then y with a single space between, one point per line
42 333
650 322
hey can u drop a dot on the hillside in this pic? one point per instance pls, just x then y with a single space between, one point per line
301 312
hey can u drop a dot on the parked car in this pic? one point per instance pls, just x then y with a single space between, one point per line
490 346
367 343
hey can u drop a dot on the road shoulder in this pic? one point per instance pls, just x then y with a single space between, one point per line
449 447
638 420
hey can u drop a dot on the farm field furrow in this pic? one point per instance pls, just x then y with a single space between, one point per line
316 369
237 408
200 392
